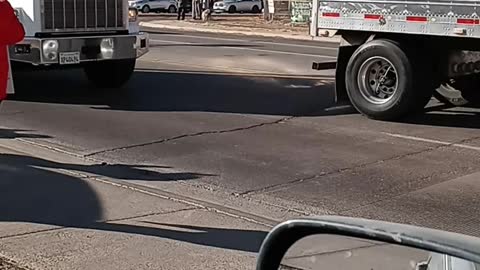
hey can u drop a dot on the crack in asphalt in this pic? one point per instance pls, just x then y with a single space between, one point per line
297 181
189 135
273 187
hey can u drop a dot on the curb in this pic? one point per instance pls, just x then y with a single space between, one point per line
238 32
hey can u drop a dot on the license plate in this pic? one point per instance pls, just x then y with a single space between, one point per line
69 58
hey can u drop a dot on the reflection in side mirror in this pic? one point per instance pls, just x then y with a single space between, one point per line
422 265
352 244
325 251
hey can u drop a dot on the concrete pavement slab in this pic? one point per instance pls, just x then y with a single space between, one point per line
251 160
383 180
143 107
452 205
37 193
196 239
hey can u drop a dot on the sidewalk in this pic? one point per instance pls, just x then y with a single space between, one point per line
59 212
238 25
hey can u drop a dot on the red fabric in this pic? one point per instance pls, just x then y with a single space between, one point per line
11 32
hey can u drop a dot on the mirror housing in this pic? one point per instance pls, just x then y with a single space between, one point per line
284 235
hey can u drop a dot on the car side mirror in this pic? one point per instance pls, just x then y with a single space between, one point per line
350 243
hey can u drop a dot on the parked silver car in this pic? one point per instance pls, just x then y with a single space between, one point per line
146 6
234 6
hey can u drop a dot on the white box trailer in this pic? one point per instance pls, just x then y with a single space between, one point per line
102 36
394 54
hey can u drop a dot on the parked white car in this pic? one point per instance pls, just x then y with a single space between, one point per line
233 6
146 6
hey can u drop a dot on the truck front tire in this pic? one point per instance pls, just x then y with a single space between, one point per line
110 73
381 81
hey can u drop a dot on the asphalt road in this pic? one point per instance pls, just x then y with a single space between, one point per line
236 120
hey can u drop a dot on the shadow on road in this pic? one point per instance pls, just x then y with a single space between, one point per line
20 133
33 190
117 171
234 239
445 116
171 90
212 91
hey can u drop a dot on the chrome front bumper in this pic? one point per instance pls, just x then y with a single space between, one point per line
89 48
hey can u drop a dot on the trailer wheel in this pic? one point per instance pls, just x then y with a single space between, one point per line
110 73
380 81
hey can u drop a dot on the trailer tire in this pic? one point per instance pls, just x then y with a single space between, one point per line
381 83
110 73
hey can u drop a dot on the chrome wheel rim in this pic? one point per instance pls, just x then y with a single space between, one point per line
378 80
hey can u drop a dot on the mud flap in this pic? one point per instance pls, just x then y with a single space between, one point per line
449 95
344 54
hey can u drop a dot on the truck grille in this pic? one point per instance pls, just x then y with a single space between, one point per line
83 15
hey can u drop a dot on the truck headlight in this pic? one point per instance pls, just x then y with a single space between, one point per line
132 14
107 47
50 49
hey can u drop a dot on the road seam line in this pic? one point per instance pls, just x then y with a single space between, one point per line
189 135
57 228
420 139
160 213
198 204
57 149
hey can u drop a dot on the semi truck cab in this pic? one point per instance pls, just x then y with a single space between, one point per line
101 36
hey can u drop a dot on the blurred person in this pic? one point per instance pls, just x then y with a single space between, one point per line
181 6
11 32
